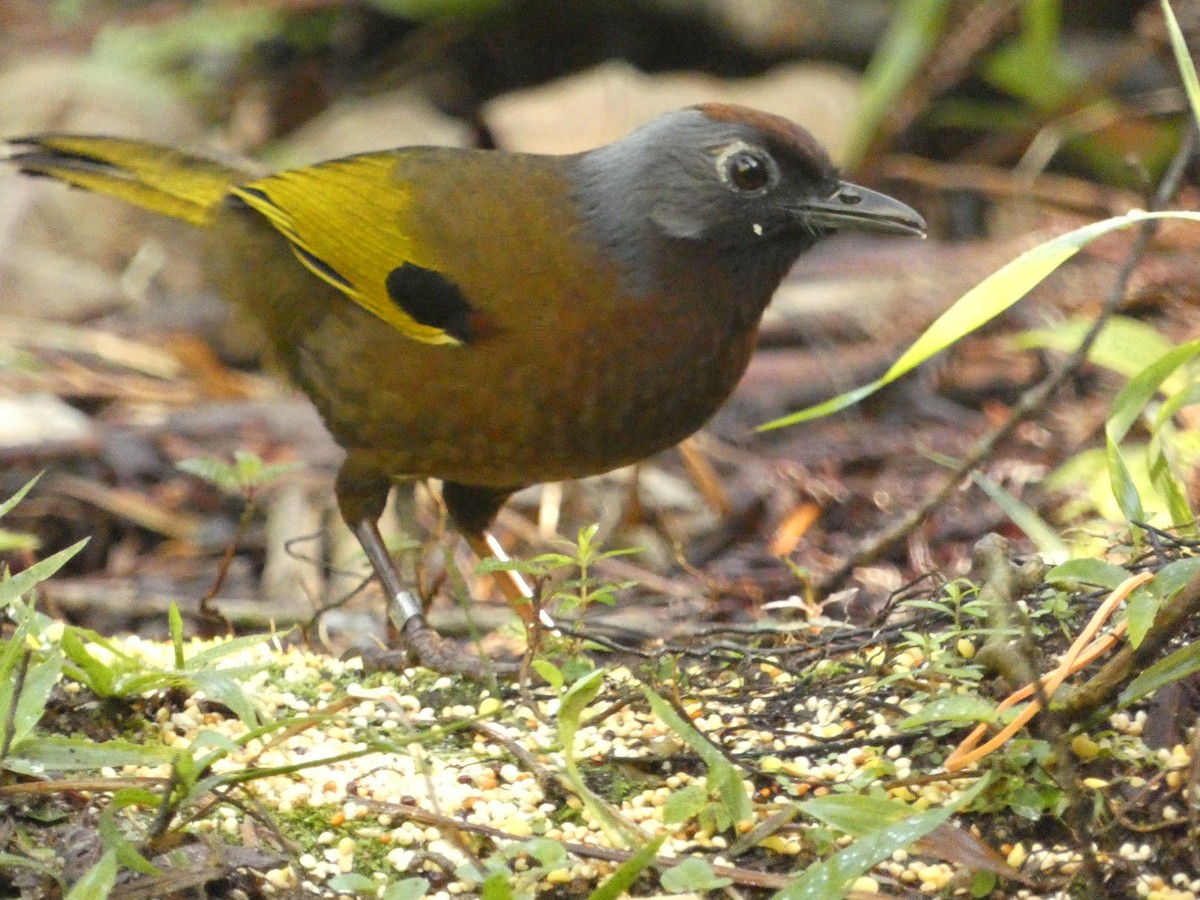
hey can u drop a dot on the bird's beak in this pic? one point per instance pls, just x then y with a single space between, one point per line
851 207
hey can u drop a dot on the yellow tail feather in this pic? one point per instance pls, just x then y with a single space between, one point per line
163 180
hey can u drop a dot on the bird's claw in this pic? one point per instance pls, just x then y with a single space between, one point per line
424 646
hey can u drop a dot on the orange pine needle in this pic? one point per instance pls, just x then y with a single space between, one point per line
1083 651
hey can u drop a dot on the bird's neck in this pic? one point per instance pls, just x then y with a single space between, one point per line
704 278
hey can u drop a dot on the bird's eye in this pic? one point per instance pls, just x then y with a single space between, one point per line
746 168
747 171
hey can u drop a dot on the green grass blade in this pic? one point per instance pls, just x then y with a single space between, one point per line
982 303
1183 59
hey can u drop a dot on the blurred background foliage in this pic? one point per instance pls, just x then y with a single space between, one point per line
1077 85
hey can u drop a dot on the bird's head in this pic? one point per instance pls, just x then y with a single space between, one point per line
725 186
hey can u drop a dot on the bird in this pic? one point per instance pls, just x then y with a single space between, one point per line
496 319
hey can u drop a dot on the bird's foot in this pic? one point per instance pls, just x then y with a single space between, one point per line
424 646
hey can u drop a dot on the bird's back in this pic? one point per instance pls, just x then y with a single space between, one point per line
448 311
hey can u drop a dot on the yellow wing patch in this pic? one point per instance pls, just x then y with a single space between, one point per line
167 181
346 222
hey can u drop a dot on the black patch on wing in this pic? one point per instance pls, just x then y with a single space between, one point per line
323 267
35 161
431 299
238 201
256 192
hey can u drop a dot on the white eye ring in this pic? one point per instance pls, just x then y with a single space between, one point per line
746 169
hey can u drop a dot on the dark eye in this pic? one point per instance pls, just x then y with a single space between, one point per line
747 170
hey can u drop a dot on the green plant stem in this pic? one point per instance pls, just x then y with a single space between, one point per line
243 527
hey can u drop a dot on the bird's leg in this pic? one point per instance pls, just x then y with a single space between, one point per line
361 494
406 614
473 509
513 586
407 606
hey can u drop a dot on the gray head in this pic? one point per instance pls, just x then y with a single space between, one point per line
738 190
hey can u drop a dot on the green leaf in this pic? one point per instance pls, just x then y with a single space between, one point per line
856 814
915 26
497 886
407 889
208 468
1183 60
94 674
1025 517
982 303
618 883
684 804
219 685
983 883
1033 67
10 863
209 656
23 582
1140 611
1173 577
1034 801
574 702
550 673
175 627
693 875
827 879
112 836
7 505
576 699
1126 408
40 680
175 44
353 883
543 564
1179 665
1166 475
18 541
723 777
549 854
246 473
221 742
1087 571
1132 399
1123 345
965 709
97 882
60 754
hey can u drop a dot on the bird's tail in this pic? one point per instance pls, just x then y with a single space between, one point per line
167 181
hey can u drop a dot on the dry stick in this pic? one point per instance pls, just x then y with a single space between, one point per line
1063 191
1146 798
548 779
409 811
1035 398
76 785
